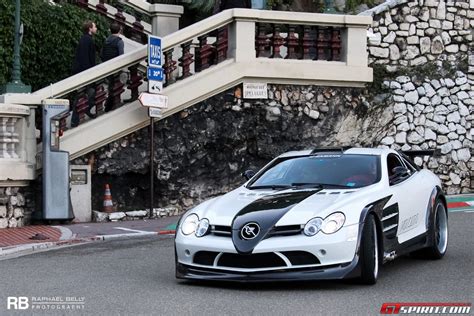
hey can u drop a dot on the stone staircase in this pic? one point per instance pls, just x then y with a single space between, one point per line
208 57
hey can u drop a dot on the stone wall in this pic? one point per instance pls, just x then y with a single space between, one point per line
202 151
13 207
423 51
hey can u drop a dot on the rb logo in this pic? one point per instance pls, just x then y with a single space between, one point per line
20 302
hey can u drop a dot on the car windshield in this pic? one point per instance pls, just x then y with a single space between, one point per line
325 171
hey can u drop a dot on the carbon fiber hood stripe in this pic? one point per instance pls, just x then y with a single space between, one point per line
266 212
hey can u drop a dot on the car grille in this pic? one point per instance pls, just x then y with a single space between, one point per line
205 257
301 257
221 230
288 230
255 261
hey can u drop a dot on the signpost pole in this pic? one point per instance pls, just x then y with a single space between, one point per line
154 100
152 158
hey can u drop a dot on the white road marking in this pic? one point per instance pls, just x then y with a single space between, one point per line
132 230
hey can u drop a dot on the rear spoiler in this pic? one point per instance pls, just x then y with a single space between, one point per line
421 153
341 150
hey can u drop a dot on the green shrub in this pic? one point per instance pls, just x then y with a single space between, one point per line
51 34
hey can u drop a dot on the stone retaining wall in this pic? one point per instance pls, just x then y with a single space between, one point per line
424 51
13 207
202 151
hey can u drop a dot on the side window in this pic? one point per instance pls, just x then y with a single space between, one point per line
397 171
409 165
392 162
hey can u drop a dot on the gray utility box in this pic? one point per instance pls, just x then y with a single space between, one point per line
56 198
81 192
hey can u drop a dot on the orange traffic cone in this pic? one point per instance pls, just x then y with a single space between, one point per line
108 205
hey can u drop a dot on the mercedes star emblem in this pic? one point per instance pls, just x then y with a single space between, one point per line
250 231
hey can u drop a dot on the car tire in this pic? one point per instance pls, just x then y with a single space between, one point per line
437 234
369 252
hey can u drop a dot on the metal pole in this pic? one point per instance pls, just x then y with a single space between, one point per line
152 158
16 71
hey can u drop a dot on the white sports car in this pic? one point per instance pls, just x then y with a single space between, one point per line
316 214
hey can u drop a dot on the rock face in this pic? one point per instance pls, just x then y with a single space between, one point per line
423 100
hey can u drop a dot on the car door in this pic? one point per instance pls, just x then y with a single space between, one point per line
409 193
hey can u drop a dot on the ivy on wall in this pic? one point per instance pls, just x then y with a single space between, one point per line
51 34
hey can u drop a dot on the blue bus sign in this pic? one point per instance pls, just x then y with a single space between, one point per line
154 51
155 73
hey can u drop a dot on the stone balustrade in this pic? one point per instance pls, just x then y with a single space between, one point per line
15 141
17 162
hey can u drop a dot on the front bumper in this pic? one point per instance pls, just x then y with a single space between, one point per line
333 272
336 253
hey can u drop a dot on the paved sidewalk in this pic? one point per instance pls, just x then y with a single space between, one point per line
28 234
40 237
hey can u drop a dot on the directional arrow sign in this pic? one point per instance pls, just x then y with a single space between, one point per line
155 86
153 100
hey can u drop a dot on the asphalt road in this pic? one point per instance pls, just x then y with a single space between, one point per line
136 277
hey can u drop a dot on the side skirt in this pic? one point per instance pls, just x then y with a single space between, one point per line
408 246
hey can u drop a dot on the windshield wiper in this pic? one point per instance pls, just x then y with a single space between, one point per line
273 187
320 185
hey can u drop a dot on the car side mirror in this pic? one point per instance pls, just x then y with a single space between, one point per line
248 174
399 173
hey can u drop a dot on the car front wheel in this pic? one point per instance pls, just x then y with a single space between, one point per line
369 252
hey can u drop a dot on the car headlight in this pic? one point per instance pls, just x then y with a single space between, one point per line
190 224
202 227
313 226
333 223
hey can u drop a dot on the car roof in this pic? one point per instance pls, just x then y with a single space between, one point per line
354 151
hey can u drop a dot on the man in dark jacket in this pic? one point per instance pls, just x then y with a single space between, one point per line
85 59
112 48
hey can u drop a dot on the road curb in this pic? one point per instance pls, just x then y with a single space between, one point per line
10 250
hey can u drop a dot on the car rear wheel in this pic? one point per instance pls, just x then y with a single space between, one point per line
369 254
438 234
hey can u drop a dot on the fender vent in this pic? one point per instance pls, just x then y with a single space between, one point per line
390 221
